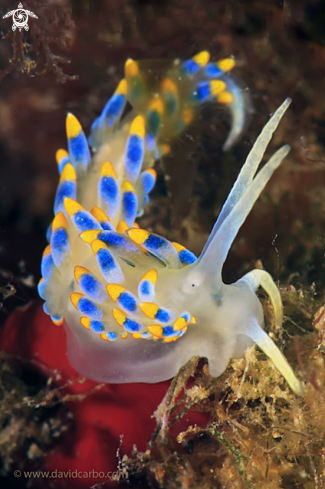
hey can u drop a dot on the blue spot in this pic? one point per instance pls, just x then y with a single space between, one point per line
108 189
146 335
84 222
97 326
135 149
187 257
130 204
169 331
127 301
180 333
106 226
186 316
47 266
153 122
89 284
59 241
131 326
90 309
112 336
55 317
134 155
111 238
212 70
65 189
79 150
63 162
41 288
203 91
49 233
191 67
46 308
96 125
146 287
162 316
148 181
150 141
113 109
154 242
105 260
171 103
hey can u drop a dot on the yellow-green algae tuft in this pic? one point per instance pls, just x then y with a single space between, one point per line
259 434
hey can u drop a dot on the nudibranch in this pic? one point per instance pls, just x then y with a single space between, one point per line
135 306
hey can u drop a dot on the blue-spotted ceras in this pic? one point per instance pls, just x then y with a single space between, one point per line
135 306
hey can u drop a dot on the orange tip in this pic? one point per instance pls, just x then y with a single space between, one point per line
122 227
156 330
97 245
165 149
153 172
131 68
71 206
122 87
187 116
73 126
170 339
168 85
60 154
85 322
225 98
137 336
47 250
99 214
75 298
149 309
89 236
115 290
178 246
127 187
226 64
103 336
68 174
202 58
138 126
107 170
217 86
179 324
119 316
151 276
156 104
79 271
139 236
59 221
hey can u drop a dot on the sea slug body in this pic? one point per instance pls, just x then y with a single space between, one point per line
135 306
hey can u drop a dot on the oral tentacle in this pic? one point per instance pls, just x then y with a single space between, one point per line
263 340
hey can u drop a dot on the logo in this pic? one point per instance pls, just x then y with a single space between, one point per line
20 18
